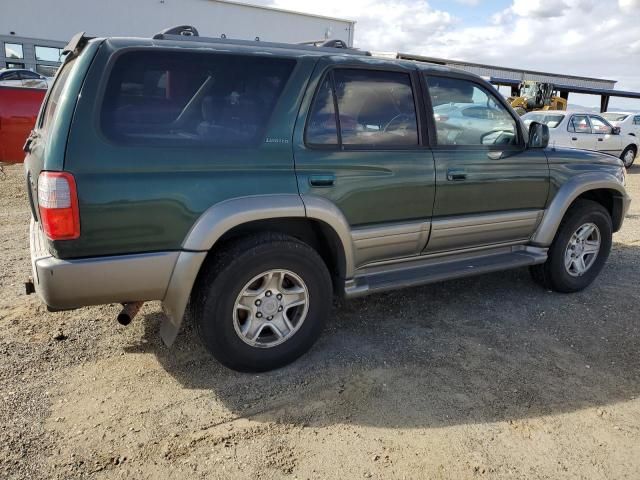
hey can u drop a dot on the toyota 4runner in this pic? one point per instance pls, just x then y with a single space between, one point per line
251 181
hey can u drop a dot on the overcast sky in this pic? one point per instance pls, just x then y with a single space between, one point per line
597 38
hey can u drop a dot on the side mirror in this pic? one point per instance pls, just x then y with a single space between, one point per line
538 135
615 131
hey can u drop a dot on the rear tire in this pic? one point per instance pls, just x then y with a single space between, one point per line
261 302
570 267
629 156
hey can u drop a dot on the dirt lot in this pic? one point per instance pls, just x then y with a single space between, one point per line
487 377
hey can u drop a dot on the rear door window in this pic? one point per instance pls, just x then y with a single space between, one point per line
375 109
192 98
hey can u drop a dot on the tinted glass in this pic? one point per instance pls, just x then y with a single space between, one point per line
467 114
636 120
193 98
10 76
48 54
579 124
54 95
321 127
376 108
14 65
13 50
29 75
599 125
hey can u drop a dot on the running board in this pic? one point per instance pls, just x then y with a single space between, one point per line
424 270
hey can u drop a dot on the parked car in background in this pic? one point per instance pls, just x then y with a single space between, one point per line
628 122
14 77
588 131
19 108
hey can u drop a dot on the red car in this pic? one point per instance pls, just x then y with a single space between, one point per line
19 108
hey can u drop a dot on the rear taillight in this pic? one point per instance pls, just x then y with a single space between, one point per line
58 204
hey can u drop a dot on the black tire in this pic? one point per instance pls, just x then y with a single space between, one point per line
227 273
552 274
625 152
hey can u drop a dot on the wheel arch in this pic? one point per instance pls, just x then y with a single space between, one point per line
603 188
316 221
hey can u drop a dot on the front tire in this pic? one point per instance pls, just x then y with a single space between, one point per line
579 251
628 156
261 302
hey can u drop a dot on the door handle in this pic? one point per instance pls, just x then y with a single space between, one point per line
322 180
601 139
574 138
456 175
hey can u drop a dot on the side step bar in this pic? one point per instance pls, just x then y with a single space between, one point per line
424 270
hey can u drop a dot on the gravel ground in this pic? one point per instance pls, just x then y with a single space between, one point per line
486 377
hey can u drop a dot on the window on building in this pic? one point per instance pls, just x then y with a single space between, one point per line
466 113
48 54
375 108
192 98
14 65
13 50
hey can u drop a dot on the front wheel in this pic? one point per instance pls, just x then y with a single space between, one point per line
262 302
628 156
579 250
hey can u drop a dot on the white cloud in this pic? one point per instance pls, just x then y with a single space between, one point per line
581 37
539 8
629 5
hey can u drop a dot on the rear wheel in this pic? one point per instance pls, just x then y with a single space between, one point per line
628 156
261 302
579 250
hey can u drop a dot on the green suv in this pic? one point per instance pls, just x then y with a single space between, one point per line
249 182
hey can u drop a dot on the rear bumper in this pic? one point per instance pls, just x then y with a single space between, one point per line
67 284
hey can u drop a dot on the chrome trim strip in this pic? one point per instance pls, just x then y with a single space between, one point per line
458 232
389 241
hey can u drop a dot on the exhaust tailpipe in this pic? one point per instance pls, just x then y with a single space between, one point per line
129 311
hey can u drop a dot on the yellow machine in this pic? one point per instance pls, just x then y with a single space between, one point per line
537 96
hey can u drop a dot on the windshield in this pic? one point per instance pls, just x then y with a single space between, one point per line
615 117
550 120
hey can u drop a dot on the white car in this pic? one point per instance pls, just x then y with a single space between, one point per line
628 122
15 77
588 131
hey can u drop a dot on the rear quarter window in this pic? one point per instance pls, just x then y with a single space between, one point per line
169 98
53 100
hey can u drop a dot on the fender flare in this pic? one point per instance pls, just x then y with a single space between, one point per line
567 194
221 218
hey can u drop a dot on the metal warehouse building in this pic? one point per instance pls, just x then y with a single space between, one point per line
32 32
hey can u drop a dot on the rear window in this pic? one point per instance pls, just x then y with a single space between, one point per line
615 117
192 98
54 96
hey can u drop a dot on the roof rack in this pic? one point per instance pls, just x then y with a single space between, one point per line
190 33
